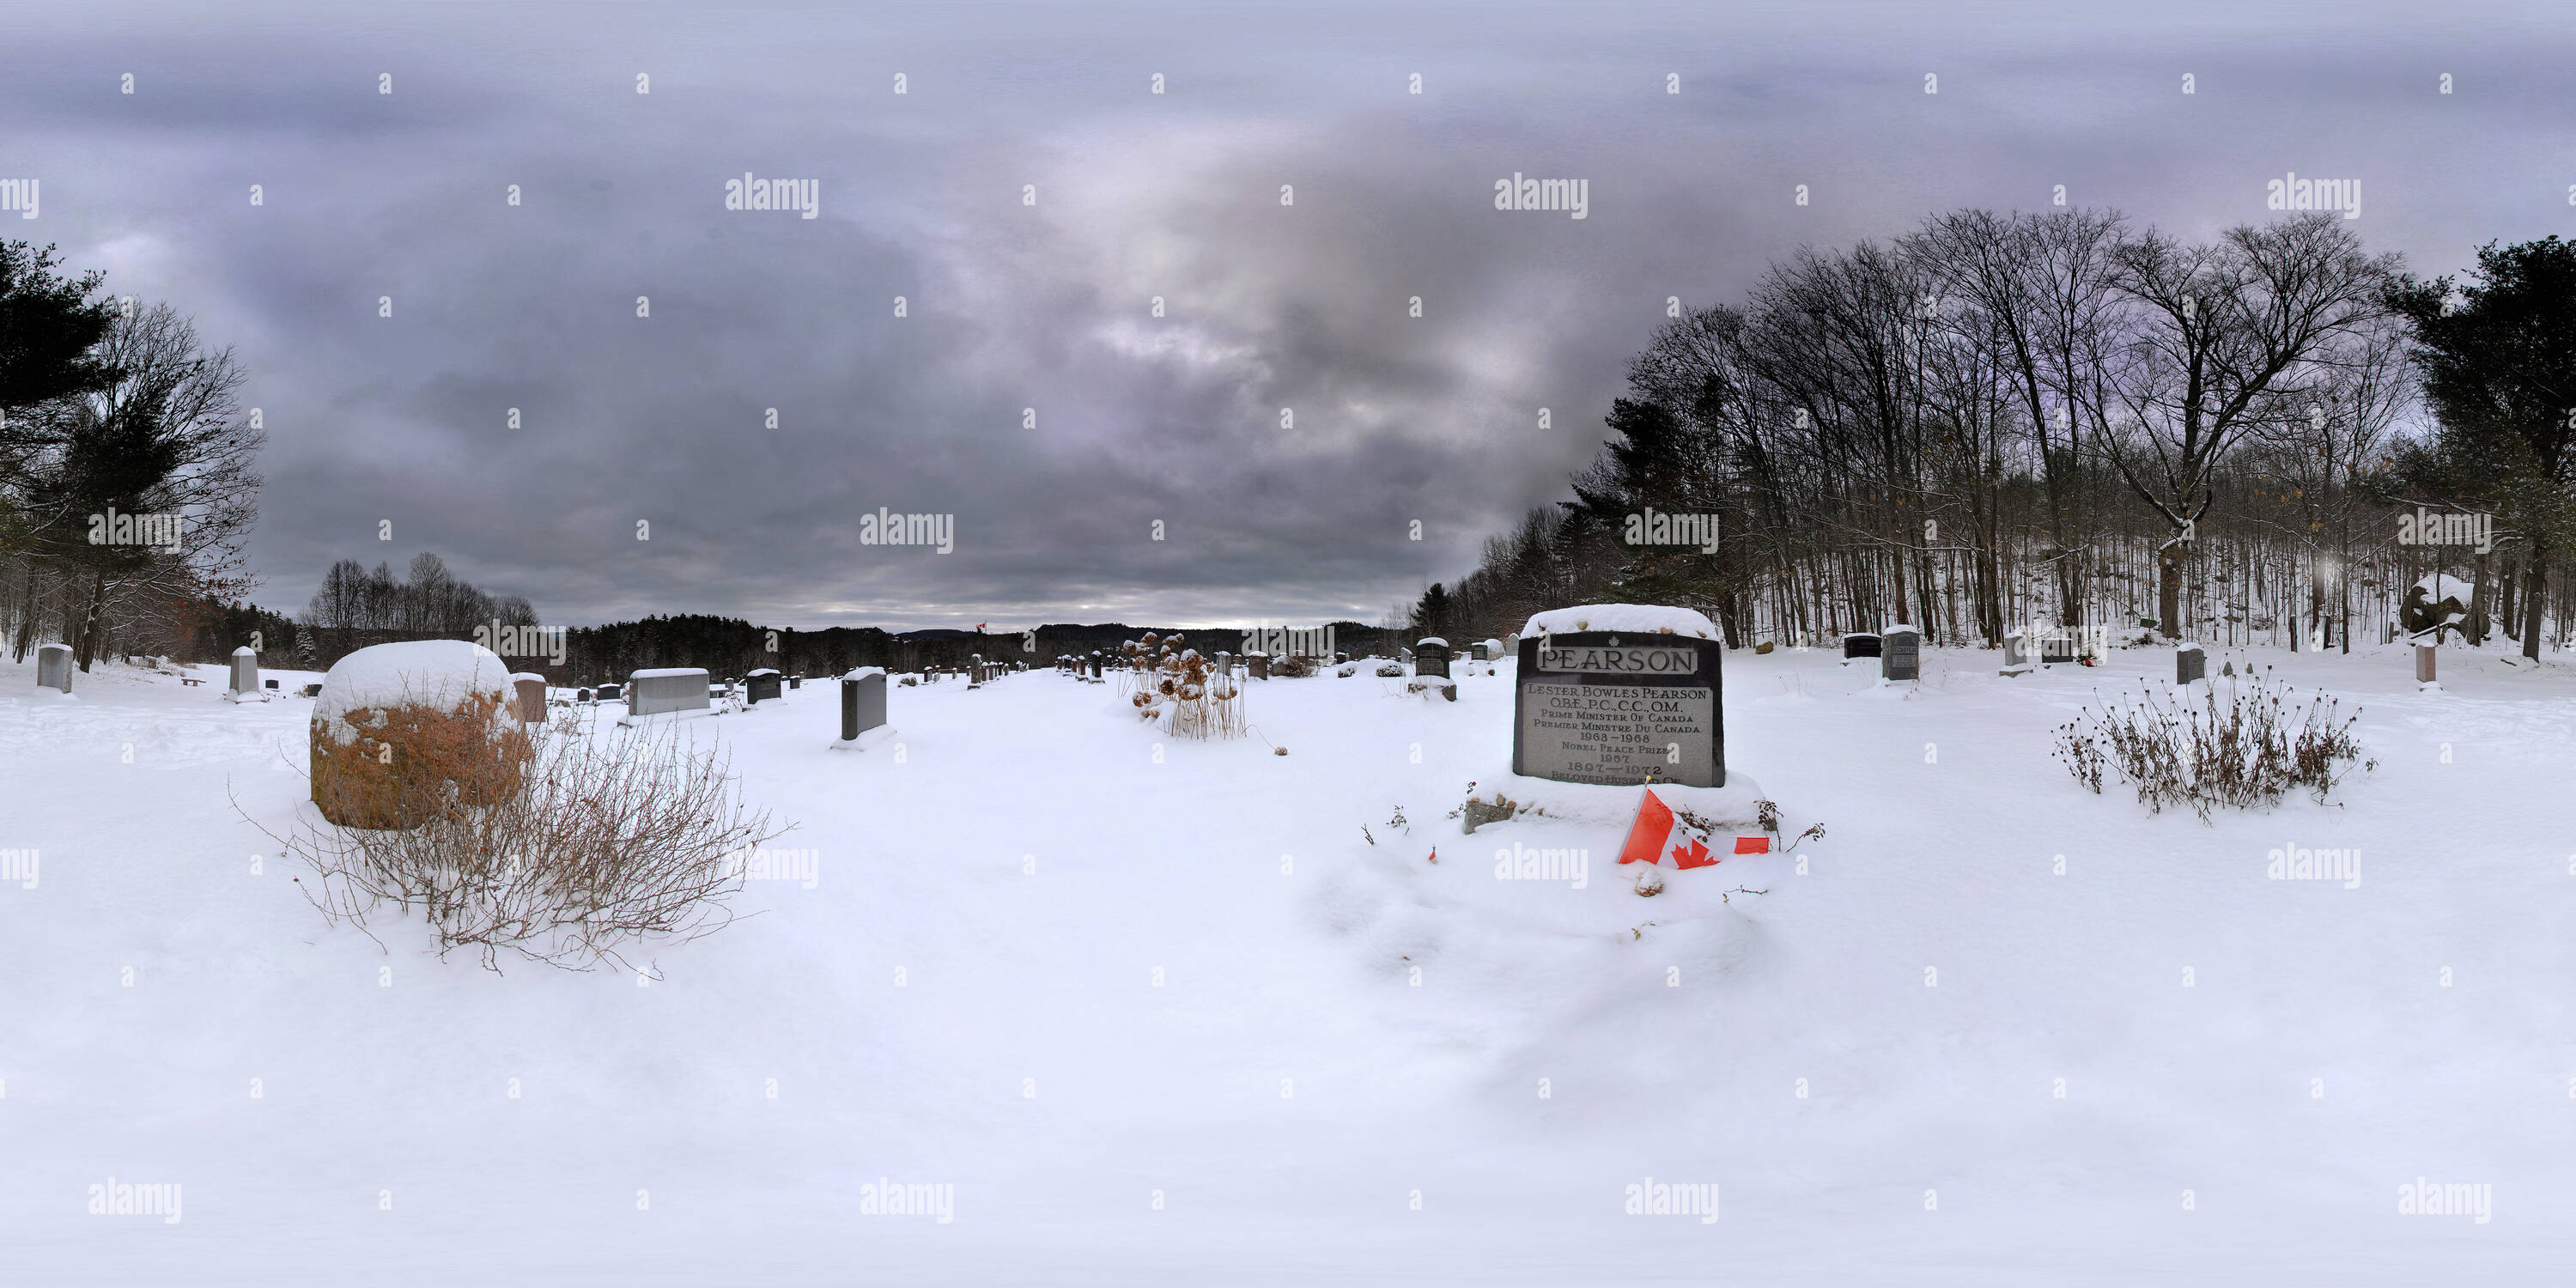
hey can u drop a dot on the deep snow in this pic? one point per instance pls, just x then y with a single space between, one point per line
968 995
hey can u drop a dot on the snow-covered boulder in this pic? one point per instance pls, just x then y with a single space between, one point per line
1640 619
395 724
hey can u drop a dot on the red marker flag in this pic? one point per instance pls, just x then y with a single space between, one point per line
1657 833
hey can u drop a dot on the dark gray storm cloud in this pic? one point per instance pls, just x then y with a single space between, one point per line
1046 309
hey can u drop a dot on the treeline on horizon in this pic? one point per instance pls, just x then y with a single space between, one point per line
1997 421
357 608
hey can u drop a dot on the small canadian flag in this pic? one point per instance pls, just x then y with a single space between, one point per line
1657 834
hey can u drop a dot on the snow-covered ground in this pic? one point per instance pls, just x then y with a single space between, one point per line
1150 1007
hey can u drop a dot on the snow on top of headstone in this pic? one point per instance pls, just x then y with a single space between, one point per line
1642 619
1433 641
2440 586
246 649
860 674
434 673
2187 646
665 672
760 670
1893 627
516 676
1254 652
53 648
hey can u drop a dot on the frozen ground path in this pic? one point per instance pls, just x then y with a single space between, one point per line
1946 816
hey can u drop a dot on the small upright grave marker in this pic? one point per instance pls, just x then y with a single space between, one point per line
761 685
863 702
54 667
674 688
245 672
1431 657
1901 655
2424 654
2016 653
2190 663
528 696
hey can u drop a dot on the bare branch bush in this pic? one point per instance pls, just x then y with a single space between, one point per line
2244 745
613 838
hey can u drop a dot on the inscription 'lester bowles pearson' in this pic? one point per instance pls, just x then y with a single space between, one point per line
1621 714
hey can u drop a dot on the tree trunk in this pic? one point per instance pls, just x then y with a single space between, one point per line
85 638
2533 600
2169 591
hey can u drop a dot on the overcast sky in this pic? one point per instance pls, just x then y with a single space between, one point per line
1014 307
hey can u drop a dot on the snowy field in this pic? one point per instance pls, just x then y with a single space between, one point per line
1151 1008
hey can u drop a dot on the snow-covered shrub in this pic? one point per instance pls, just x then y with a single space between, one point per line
399 729
605 840
1295 666
1390 670
2242 744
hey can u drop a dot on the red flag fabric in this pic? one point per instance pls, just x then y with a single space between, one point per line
1657 833
1753 845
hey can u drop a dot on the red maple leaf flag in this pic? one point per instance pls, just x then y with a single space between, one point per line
1657 833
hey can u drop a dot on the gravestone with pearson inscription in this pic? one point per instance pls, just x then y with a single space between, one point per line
1431 657
1621 694
1901 655
54 667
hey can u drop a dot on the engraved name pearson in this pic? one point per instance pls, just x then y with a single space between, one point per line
1593 659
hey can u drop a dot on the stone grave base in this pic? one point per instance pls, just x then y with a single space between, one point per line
867 739
1724 808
